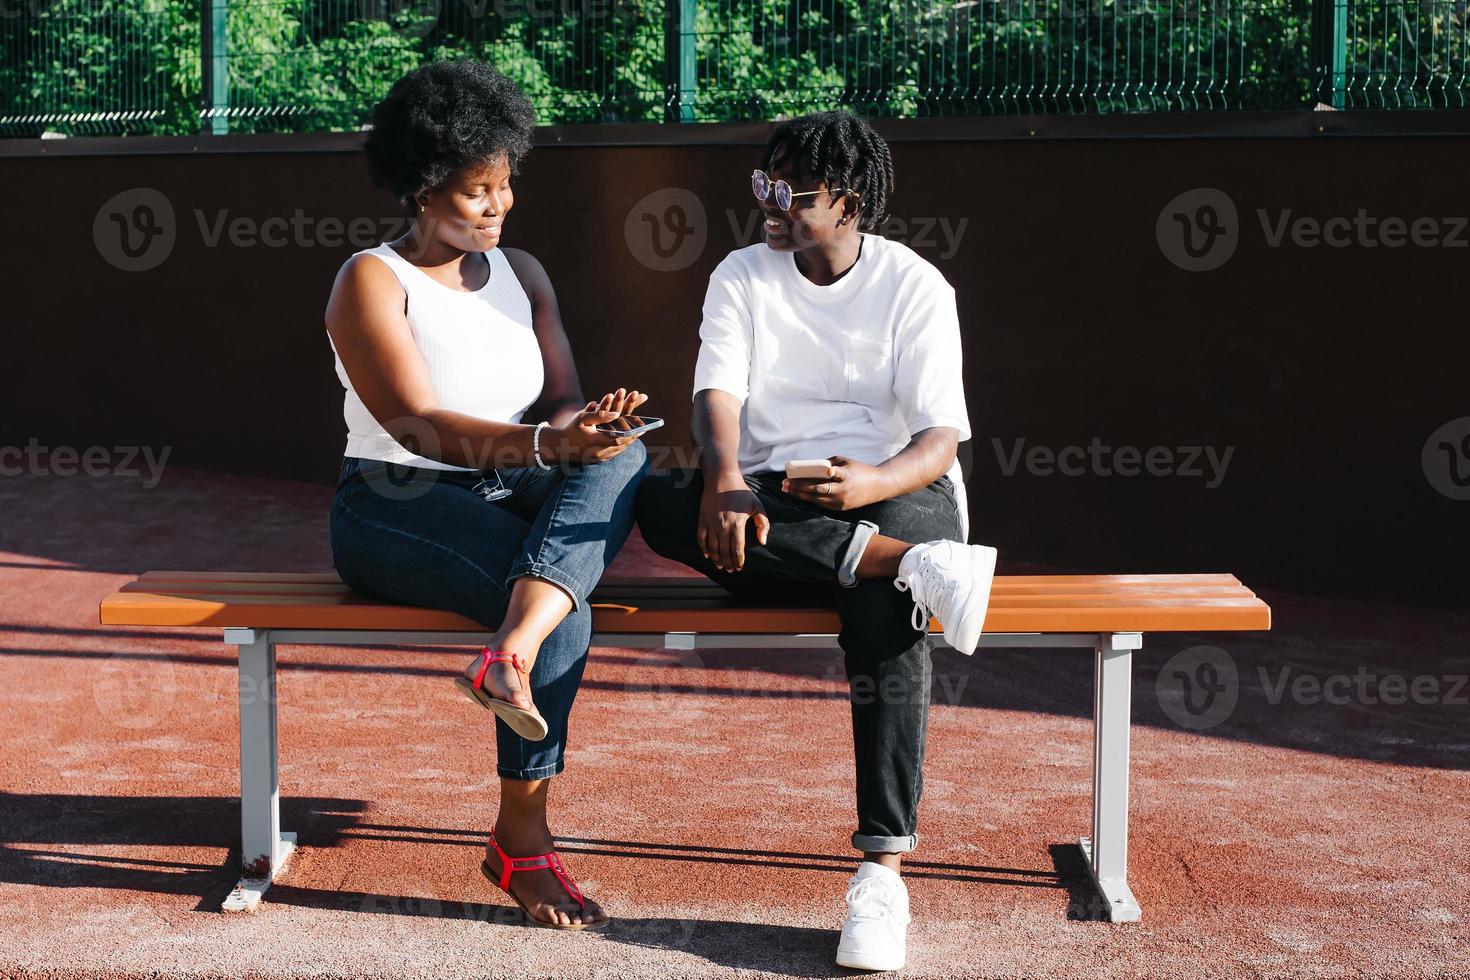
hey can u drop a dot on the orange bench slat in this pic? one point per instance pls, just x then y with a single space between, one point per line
1023 604
618 591
1187 578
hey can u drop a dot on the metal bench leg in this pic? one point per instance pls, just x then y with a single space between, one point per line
263 847
1106 851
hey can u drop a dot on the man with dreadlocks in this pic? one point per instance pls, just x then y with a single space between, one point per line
828 341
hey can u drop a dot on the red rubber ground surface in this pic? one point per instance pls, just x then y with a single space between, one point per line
707 802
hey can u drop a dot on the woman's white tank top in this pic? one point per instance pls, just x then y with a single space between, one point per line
480 349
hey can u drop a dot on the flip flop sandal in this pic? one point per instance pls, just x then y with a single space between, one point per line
527 724
510 865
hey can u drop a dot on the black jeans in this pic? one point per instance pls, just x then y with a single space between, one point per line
887 660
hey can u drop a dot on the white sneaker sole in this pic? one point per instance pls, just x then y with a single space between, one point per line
972 610
871 961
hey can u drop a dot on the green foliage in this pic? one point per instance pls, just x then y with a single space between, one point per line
83 66
120 66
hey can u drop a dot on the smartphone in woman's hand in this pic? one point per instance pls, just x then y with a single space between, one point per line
630 425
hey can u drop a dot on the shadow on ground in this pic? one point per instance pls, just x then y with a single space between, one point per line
69 822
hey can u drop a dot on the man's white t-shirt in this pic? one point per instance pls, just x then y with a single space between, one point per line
852 369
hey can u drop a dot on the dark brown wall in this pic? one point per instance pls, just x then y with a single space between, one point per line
1326 369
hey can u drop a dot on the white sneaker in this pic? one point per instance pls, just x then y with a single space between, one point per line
874 937
950 581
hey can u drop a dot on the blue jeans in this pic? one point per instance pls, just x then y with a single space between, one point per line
423 537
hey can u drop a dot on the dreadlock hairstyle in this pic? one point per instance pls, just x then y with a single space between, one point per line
840 150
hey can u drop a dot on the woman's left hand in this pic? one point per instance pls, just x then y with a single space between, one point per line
848 485
624 401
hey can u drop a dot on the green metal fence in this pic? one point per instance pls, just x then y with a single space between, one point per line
1398 55
181 66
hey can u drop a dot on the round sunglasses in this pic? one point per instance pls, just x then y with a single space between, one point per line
762 186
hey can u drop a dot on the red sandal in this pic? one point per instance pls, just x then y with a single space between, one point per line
527 724
510 866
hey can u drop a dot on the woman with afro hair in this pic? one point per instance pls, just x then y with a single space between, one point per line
444 342
830 347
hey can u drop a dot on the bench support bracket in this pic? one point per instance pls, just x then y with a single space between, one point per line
264 848
1106 851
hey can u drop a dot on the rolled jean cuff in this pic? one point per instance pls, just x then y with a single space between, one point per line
550 573
862 533
540 772
874 844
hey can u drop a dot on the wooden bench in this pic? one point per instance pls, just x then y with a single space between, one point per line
260 611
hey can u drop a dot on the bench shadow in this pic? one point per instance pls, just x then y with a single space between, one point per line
797 951
767 948
59 841
31 822
791 951
843 864
1084 904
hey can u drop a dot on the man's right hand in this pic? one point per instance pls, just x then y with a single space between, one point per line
725 508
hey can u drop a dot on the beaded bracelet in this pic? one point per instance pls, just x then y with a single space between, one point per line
536 445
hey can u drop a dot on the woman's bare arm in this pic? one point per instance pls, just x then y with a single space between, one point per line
561 395
368 324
